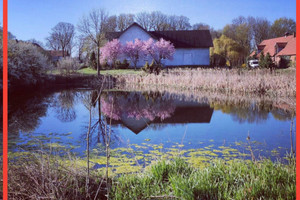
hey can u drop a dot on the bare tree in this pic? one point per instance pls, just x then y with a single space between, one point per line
159 21
124 21
143 19
183 23
201 26
52 42
61 37
93 27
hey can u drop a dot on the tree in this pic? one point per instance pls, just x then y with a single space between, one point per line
183 23
262 61
159 21
201 26
93 28
143 19
283 25
241 32
228 49
93 61
26 63
111 51
269 62
134 50
261 30
159 50
61 37
124 21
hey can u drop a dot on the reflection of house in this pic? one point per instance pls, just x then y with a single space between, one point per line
192 46
183 114
278 47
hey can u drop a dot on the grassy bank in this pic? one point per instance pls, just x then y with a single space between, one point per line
236 180
41 176
280 83
111 72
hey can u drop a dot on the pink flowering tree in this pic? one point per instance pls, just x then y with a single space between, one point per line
134 51
159 50
111 51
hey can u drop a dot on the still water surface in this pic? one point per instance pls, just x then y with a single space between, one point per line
151 122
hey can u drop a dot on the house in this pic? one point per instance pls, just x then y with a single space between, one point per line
56 55
191 46
278 47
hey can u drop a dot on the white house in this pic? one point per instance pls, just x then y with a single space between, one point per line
192 46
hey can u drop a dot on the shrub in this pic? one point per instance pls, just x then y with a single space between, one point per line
152 68
26 63
67 65
105 65
93 61
284 62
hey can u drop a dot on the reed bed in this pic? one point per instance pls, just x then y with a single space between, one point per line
279 83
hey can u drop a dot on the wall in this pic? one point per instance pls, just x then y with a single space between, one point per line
189 56
132 33
182 56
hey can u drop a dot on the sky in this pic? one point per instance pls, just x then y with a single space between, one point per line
28 19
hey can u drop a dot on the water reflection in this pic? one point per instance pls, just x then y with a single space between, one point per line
64 106
137 111
154 113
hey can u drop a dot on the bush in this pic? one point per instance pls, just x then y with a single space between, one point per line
284 62
217 60
93 61
67 65
105 65
26 63
121 65
152 68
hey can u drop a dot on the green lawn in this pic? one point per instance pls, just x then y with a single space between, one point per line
110 72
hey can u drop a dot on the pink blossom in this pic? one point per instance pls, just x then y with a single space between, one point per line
111 51
134 50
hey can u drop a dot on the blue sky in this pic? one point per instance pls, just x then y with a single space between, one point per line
29 19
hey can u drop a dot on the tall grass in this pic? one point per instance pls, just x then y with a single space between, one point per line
234 81
40 175
44 176
221 180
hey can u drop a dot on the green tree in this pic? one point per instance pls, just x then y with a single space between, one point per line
228 49
283 25
262 63
93 61
269 62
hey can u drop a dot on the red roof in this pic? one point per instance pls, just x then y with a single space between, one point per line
270 46
289 49
57 53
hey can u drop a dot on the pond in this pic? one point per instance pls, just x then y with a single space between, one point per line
145 126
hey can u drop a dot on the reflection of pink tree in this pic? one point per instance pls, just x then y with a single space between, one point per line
138 108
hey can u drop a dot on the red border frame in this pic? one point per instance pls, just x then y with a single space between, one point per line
297 103
5 100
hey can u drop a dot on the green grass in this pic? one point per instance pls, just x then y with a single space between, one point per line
112 72
232 180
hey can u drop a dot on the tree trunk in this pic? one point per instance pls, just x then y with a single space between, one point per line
98 61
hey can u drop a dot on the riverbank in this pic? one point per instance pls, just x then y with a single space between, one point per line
44 176
280 83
